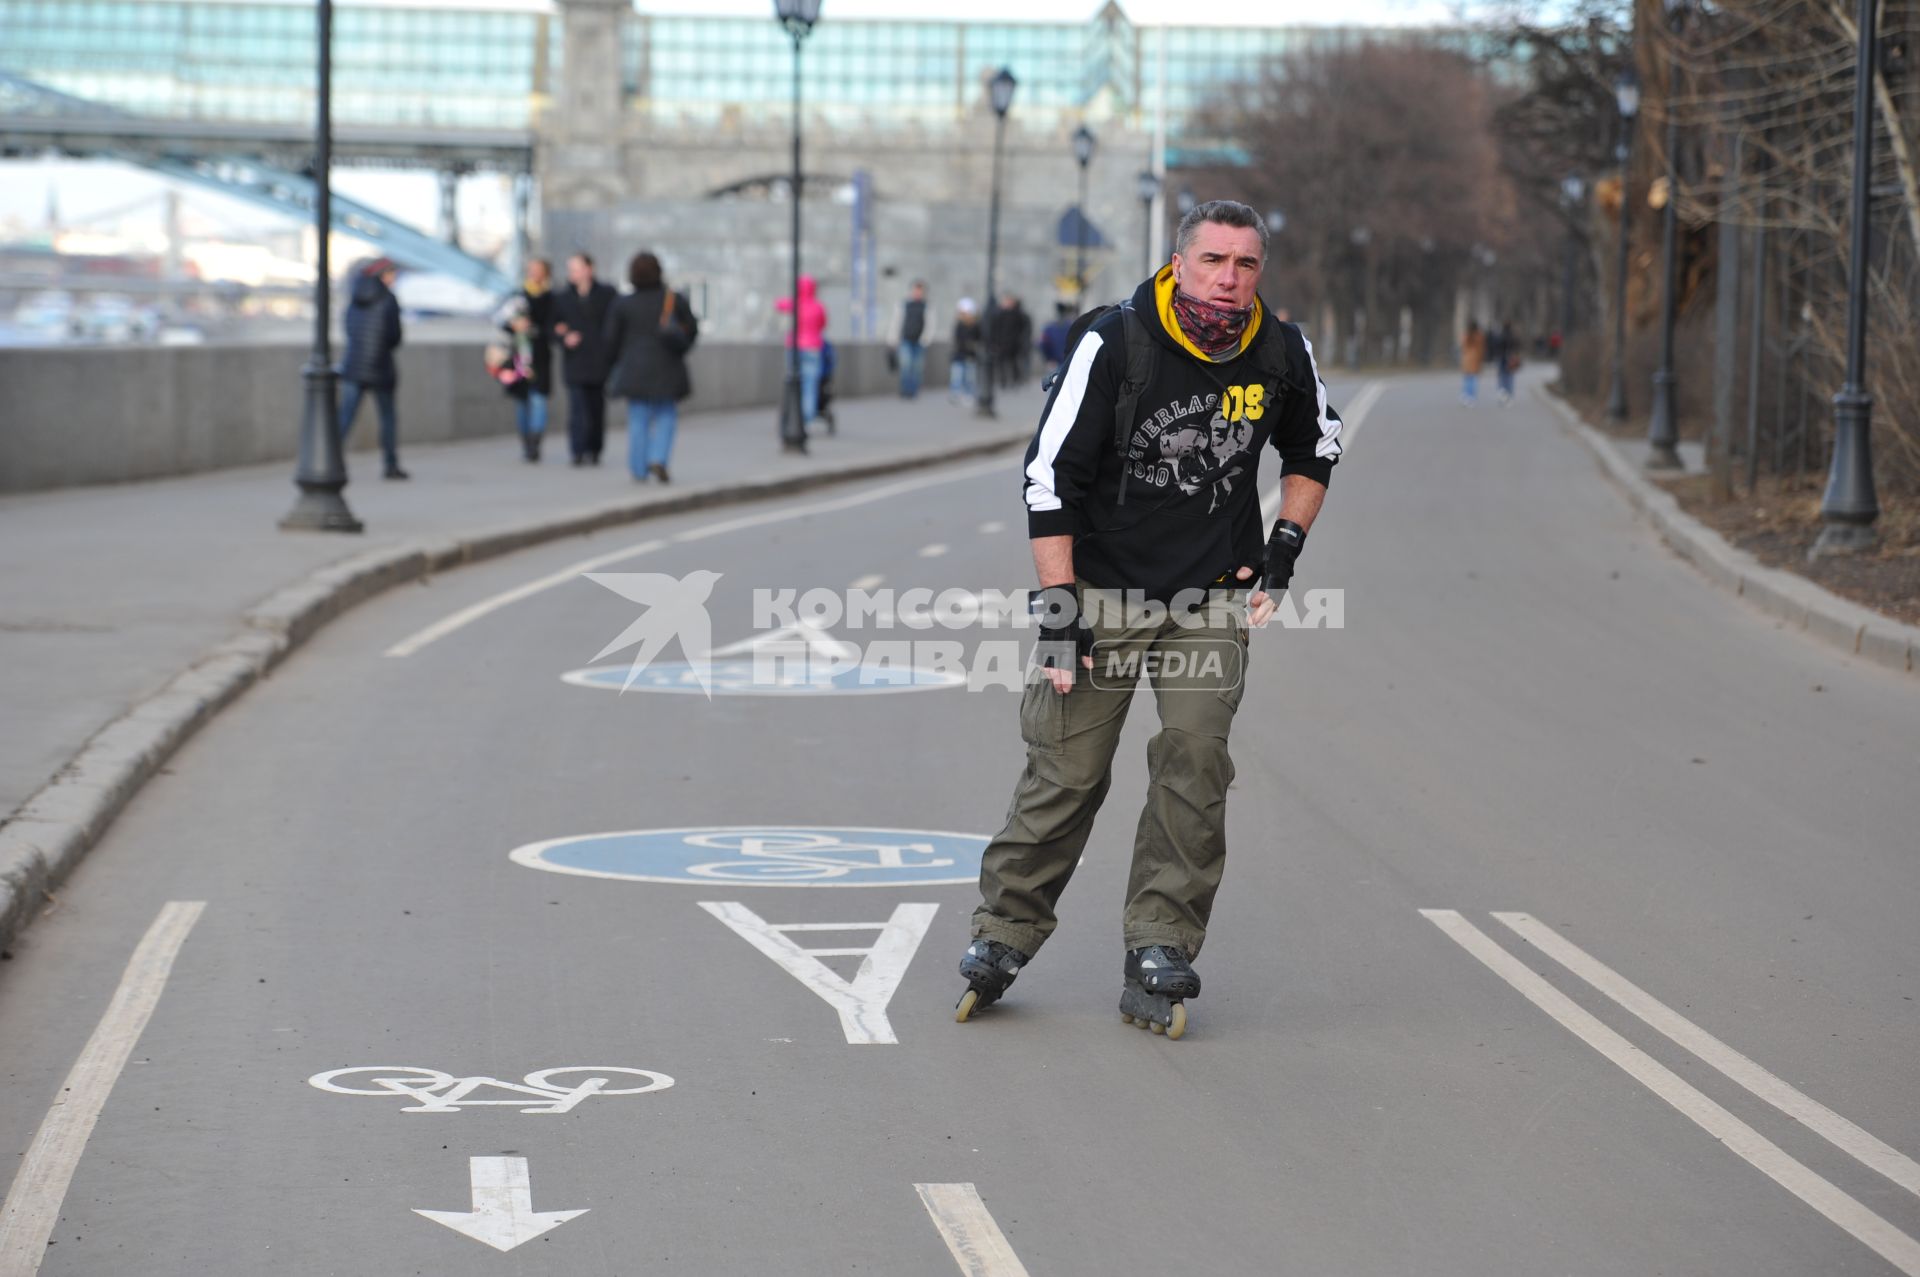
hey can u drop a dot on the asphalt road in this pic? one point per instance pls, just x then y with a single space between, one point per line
1532 711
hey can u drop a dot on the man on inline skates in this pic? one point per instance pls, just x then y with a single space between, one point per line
1149 560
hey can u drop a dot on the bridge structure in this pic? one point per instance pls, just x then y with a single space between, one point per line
625 130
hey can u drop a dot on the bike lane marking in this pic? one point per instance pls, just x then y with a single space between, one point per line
40 1186
1898 1249
502 1215
862 1001
467 615
965 1224
1861 1145
766 856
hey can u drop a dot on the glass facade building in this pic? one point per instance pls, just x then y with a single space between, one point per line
488 66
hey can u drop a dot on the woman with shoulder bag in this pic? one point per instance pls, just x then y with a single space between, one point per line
649 331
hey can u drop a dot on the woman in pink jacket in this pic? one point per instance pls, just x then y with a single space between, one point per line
813 335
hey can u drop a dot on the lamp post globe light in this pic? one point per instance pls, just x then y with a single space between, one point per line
1626 94
1083 145
1276 221
1147 186
1849 507
320 473
1663 435
796 17
1573 193
1000 94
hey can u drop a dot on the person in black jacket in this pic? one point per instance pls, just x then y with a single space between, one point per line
373 334
1143 507
532 330
580 321
648 334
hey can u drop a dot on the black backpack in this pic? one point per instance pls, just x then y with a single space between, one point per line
1141 357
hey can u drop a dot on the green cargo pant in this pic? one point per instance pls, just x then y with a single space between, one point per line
1180 848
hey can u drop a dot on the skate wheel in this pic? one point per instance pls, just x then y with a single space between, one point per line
1126 1018
968 1000
1156 1027
1179 1024
1140 1022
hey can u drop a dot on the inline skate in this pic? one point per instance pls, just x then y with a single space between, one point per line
1159 978
989 968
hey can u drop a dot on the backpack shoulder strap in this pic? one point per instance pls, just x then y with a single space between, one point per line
1140 361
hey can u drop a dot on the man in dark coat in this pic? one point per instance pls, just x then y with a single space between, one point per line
373 334
579 321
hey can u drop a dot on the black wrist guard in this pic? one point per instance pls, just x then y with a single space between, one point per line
1065 635
1283 548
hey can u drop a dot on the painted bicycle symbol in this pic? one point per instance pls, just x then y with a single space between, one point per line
765 855
555 1090
787 854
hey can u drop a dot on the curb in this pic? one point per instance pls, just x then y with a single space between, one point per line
42 841
1858 630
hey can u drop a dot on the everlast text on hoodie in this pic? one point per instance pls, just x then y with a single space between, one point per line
1191 461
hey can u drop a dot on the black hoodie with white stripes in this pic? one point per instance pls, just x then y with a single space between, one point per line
1192 458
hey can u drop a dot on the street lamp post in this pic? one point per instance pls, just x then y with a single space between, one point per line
1573 190
797 17
1000 92
1626 91
1147 185
320 473
1663 435
1849 507
1083 144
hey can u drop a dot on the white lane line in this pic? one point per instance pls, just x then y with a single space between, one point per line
1350 421
1850 1139
1357 410
992 526
871 581
467 615
1892 1245
933 551
40 1186
977 1243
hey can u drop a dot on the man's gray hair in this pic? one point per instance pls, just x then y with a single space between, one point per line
1224 212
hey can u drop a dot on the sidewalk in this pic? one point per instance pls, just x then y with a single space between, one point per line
130 613
1787 596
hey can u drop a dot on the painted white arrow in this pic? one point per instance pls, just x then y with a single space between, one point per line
502 1216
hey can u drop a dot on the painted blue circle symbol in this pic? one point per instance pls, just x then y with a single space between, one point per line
766 856
739 677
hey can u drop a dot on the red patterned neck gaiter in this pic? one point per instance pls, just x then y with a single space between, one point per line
1214 329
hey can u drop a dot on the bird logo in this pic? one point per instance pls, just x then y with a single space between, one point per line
676 608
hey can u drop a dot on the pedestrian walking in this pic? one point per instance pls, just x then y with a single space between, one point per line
1473 356
580 322
1143 509
530 326
1005 344
812 333
373 334
1053 338
648 334
966 351
909 339
1503 351
829 361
